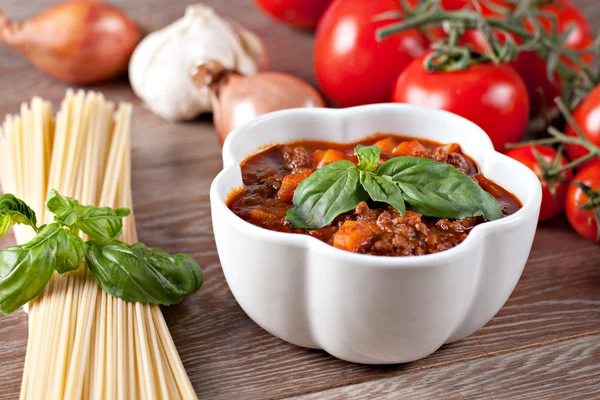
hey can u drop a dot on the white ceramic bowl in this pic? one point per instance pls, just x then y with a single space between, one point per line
361 308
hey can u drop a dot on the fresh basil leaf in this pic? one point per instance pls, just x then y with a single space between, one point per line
368 157
25 270
382 189
15 211
140 274
439 190
58 204
327 193
69 250
99 223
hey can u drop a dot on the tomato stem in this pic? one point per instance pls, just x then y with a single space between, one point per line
574 163
592 195
593 203
548 46
559 137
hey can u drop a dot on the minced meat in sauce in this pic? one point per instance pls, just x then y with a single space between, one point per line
271 176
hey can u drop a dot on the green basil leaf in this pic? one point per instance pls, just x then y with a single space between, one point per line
327 193
25 270
140 274
58 204
69 250
368 157
15 211
99 223
439 190
381 188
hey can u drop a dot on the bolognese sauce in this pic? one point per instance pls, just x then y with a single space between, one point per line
271 176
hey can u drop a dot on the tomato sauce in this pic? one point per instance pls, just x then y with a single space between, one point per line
271 176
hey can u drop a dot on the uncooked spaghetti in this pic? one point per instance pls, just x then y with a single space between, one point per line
84 343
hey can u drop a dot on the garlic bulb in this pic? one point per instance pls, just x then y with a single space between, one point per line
161 66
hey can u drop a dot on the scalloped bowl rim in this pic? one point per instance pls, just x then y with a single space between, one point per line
231 163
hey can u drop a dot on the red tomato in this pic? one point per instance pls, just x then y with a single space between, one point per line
542 91
567 16
492 96
552 205
529 65
533 69
352 67
587 117
585 222
297 13
486 6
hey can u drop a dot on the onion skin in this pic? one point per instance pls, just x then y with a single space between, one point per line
77 41
244 98
237 99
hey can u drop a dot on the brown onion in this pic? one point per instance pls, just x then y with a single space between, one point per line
75 41
237 99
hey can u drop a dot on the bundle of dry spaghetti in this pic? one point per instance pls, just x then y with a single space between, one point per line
84 343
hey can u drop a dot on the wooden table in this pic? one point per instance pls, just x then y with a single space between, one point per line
544 343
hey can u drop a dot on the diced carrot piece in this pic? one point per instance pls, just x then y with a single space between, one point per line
318 156
353 236
267 216
289 185
332 155
386 145
412 148
259 215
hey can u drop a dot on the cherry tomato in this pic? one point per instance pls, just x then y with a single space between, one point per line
585 222
492 96
587 117
552 204
352 67
303 14
529 64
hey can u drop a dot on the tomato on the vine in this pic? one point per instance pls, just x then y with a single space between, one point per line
583 209
492 96
587 117
303 14
487 6
567 16
352 67
531 67
554 191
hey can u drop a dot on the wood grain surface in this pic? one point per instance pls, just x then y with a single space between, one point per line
557 372
544 343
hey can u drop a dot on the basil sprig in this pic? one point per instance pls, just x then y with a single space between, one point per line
101 223
431 188
131 272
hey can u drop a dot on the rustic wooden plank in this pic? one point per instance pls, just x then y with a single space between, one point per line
13 343
564 370
557 295
225 353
